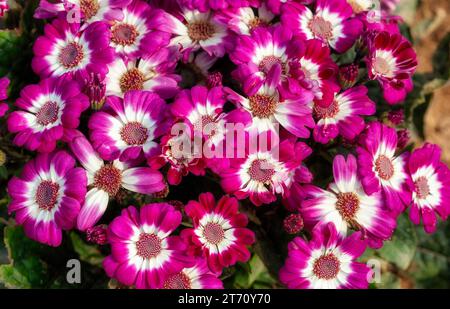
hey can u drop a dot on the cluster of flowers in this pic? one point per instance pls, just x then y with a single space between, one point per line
117 63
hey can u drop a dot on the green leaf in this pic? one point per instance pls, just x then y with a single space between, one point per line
257 275
88 253
12 278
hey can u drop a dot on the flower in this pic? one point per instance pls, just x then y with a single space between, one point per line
381 169
95 89
97 10
50 112
49 9
66 50
275 5
343 116
154 72
130 128
396 117
347 205
107 179
327 261
392 61
293 223
46 198
97 234
196 277
205 5
430 187
331 22
4 85
219 231
143 253
4 6
243 20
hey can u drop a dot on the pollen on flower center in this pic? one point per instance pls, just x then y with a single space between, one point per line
47 195
124 34
262 106
133 79
200 31
134 133
268 62
148 246
205 120
421 187
261 171
71 55
214 233
48 113
321 28
326 267
326 112
347 204
381 66
384 167
89 8
108 178
177 282
255 22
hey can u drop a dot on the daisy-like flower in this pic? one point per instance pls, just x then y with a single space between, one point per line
430 187
47 196
347 205
381 169
50 112
153 73
331 22
4 85
143 254
65 49
106 179
392 61
197 30
130 128
327 261
196 277
343 115
97 10
137 34
262 174
219 231
268 109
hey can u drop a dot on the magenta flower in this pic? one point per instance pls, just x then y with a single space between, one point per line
327 261
219 231
143 254
50 112
243 20
347 205
331 22
4 6
205 5
130 128
343 116
431 187
49 9
46 198
392 61
381 169
97 10
106 179
276 5
4 85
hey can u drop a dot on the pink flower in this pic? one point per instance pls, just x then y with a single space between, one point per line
327 261
205 5
91 11
276 5
219 231
143 254
47 196
50 112
243 20
4 6
4 85
430 188
49 9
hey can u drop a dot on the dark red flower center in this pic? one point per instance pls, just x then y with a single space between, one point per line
321 28
71 55
179 281
261 171
133 79
347 204
124 34
268 62
262 106
200 31
384 167
134 133
47 195
326 267
421 187
326 112
89 8
48 113
148 246
214 233
109 179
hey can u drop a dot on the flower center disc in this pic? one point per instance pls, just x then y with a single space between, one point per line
47 195
108 178
200 31
326 267
71 55
321 28
326 112
178 281
384 167
262 106
48 113
214 233
268 62
124 34
381 66
347 205
261 171
89 8
133 79
134 133
422 187
148 246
